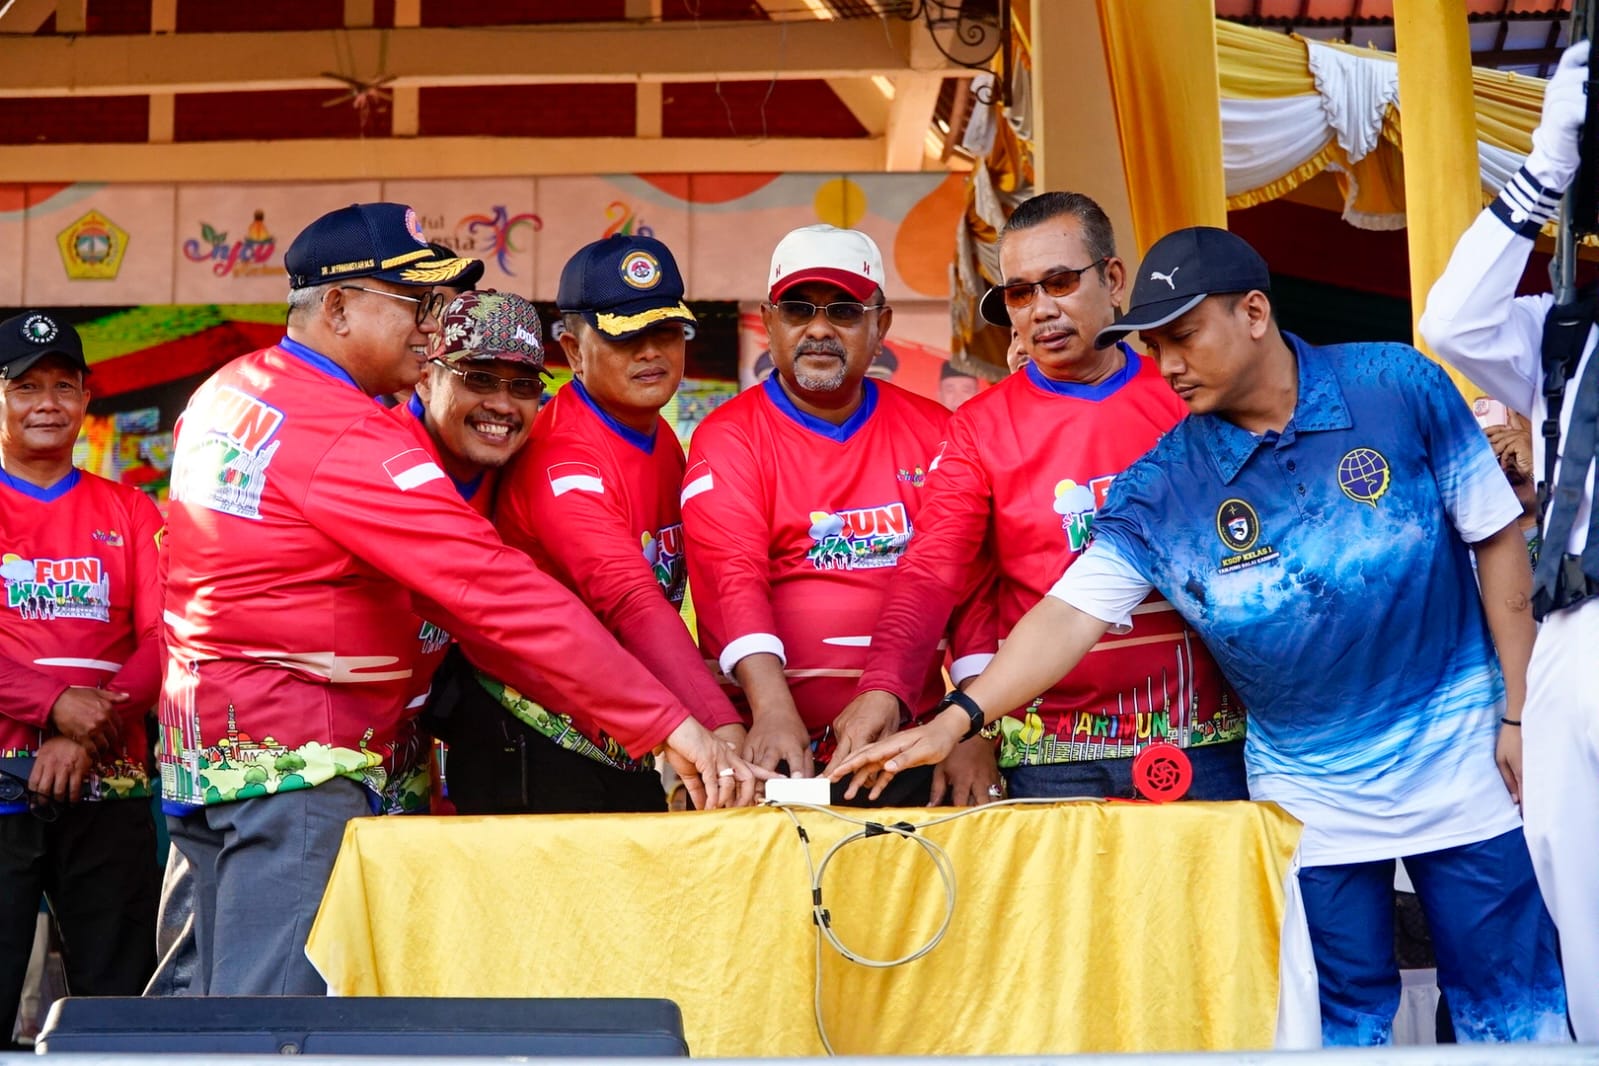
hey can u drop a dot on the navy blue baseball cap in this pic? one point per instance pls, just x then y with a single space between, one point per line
382 241
29 337
1180 270
468 279
622 286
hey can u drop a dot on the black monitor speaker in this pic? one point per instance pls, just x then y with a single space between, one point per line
321 1025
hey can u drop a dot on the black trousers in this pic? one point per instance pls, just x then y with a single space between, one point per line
499 765
96 865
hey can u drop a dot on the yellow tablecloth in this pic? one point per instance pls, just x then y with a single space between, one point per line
1077 927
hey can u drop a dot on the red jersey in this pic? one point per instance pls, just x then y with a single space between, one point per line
1025 466
595 504
410 786
304 523
83 607
796 528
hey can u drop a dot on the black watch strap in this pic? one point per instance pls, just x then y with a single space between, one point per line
957 698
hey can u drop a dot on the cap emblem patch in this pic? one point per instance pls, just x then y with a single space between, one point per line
640 270
413 226
40 329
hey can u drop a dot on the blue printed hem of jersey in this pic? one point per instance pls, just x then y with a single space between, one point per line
820 426
644 442
318 360
47 494
1078 391
467 489
1319 406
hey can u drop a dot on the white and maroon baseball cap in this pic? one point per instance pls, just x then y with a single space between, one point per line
847 258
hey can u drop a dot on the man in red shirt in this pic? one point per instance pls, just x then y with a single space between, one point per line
800 498
80 664
594 501
1023 469
473 409
306 527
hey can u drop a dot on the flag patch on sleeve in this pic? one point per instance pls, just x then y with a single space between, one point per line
412 468
569 477
696 481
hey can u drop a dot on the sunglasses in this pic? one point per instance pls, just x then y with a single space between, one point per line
1057 285
13 789
427 306
843 313
485 384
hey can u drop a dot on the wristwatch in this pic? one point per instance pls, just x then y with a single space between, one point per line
957 698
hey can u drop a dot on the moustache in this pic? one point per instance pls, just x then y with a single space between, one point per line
822 347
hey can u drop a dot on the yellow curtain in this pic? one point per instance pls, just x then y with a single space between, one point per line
1444 176
1256 64
1166 112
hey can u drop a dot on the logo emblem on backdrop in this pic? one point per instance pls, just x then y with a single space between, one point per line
249 256
498 231
623 220
1364 475
92 248
1237 525
640 270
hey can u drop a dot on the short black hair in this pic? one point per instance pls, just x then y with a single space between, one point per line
1035 211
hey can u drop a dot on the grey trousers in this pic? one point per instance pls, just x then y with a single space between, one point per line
260 868
176 958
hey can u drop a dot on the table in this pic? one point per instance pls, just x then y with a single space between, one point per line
1078 926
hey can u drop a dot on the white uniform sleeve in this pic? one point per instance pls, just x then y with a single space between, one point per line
1103 584
1473 319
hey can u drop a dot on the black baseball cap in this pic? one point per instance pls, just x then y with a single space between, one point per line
1180 270
622 286
29 337
382 241
992 307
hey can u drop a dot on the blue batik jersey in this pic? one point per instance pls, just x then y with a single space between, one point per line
1326 568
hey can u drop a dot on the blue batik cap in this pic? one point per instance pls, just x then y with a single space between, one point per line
622 286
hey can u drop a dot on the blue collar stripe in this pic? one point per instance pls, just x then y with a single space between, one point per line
821 426
318 360
48 494
1078 391
644 442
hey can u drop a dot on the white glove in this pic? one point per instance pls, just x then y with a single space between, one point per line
1554 159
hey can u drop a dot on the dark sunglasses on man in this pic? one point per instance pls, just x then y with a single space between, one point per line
840 313
1060 284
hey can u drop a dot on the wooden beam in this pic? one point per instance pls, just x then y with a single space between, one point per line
72 16
163 106
915 100
359 13
431 157
865 101
642 10
243 62
23 17
407 13
405 109
164 16
647 110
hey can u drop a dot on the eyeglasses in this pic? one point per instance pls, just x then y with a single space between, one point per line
843 313
427 306
1057 285
485 384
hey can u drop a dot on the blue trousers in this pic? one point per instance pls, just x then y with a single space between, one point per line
1498 965
1218 775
